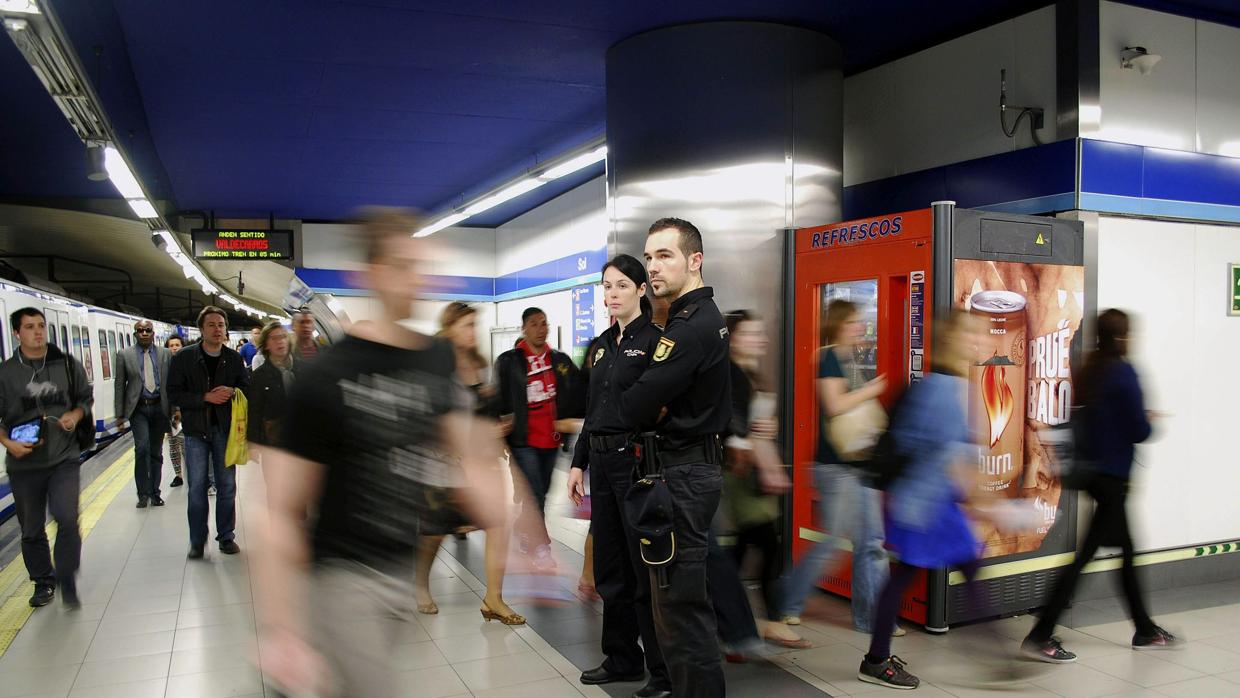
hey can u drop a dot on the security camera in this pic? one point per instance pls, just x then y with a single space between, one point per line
158 241
1139 58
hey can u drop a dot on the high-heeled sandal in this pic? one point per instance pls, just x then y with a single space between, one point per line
428 609
509 619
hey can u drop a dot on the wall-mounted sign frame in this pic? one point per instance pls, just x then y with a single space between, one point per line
242 245
1233 294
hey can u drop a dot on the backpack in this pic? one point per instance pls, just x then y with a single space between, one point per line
887 462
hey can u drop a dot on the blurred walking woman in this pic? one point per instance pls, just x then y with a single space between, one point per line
926 524
458 324
1109 423
851 510
614 361
270 385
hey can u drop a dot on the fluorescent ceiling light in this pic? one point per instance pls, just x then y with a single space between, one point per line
189 271
119 173
143 208
21 7
506 194
580 162
440 224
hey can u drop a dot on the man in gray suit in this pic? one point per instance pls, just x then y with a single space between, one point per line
141 373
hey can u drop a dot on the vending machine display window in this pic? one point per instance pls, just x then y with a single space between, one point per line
864 295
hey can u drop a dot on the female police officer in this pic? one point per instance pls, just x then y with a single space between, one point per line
614 362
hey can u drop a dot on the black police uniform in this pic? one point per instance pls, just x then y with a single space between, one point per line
689 375
613 363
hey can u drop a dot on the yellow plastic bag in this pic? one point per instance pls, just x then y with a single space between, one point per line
238 450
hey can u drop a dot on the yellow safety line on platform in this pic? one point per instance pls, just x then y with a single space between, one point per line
94 500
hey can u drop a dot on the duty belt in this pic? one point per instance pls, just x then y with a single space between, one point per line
149 400
604 443
709 451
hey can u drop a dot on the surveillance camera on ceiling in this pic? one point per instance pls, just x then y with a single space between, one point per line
158 241
1140 59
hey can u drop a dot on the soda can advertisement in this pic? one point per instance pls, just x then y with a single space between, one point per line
1021 390
997 389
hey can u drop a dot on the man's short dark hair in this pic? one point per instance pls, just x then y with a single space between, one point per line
15 319
211 310
529 313
690 236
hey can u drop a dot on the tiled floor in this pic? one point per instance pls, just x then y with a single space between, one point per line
153 624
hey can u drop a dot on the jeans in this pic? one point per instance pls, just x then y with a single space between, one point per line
35 492
536 465
853 512
684 618
200 455
1109 525
149 426
620 576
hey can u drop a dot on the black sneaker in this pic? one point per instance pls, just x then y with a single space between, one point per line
889 672
141 502
229 547
1050 651
1159 640
195 552
68 594
43 595
176 482
156 501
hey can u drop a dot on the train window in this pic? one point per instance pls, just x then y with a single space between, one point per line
77 343
112 347
51 333
104 358
64 338
87 363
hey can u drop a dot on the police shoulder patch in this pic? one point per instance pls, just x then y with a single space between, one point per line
599 354
664 348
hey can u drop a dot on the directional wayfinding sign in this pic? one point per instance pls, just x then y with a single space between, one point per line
242 244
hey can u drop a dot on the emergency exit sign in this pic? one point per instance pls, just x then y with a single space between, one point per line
1233 305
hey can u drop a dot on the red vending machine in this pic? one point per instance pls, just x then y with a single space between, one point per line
1025 276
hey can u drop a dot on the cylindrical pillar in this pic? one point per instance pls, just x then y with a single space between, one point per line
736 127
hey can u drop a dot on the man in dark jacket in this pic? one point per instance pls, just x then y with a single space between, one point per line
201 382
44 393
538 387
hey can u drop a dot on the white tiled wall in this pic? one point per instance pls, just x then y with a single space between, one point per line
1184 348
1191 99
941 105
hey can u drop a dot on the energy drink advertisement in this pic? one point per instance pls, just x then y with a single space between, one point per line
1021 387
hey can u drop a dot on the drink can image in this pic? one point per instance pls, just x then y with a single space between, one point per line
997 390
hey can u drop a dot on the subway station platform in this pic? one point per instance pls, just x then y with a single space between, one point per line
154 624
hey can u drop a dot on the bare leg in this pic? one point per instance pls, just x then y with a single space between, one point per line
496 565
428 547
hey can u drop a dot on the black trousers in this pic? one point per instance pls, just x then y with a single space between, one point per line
765 538
35 492
1109 526
149 426
620 576
683 615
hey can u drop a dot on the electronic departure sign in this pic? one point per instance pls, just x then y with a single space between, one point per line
243 244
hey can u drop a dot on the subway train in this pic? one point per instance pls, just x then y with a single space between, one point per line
90 333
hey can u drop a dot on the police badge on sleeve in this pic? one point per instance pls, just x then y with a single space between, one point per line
664 349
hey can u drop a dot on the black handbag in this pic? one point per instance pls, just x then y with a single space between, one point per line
85 430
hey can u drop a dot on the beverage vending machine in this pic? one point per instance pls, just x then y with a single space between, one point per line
1025 276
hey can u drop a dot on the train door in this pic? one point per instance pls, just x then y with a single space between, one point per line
882 267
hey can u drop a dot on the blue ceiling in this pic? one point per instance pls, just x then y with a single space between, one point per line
311 108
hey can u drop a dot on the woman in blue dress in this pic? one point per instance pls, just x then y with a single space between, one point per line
926 524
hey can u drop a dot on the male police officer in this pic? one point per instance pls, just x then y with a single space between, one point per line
688 375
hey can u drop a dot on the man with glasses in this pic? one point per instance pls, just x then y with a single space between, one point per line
142 402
